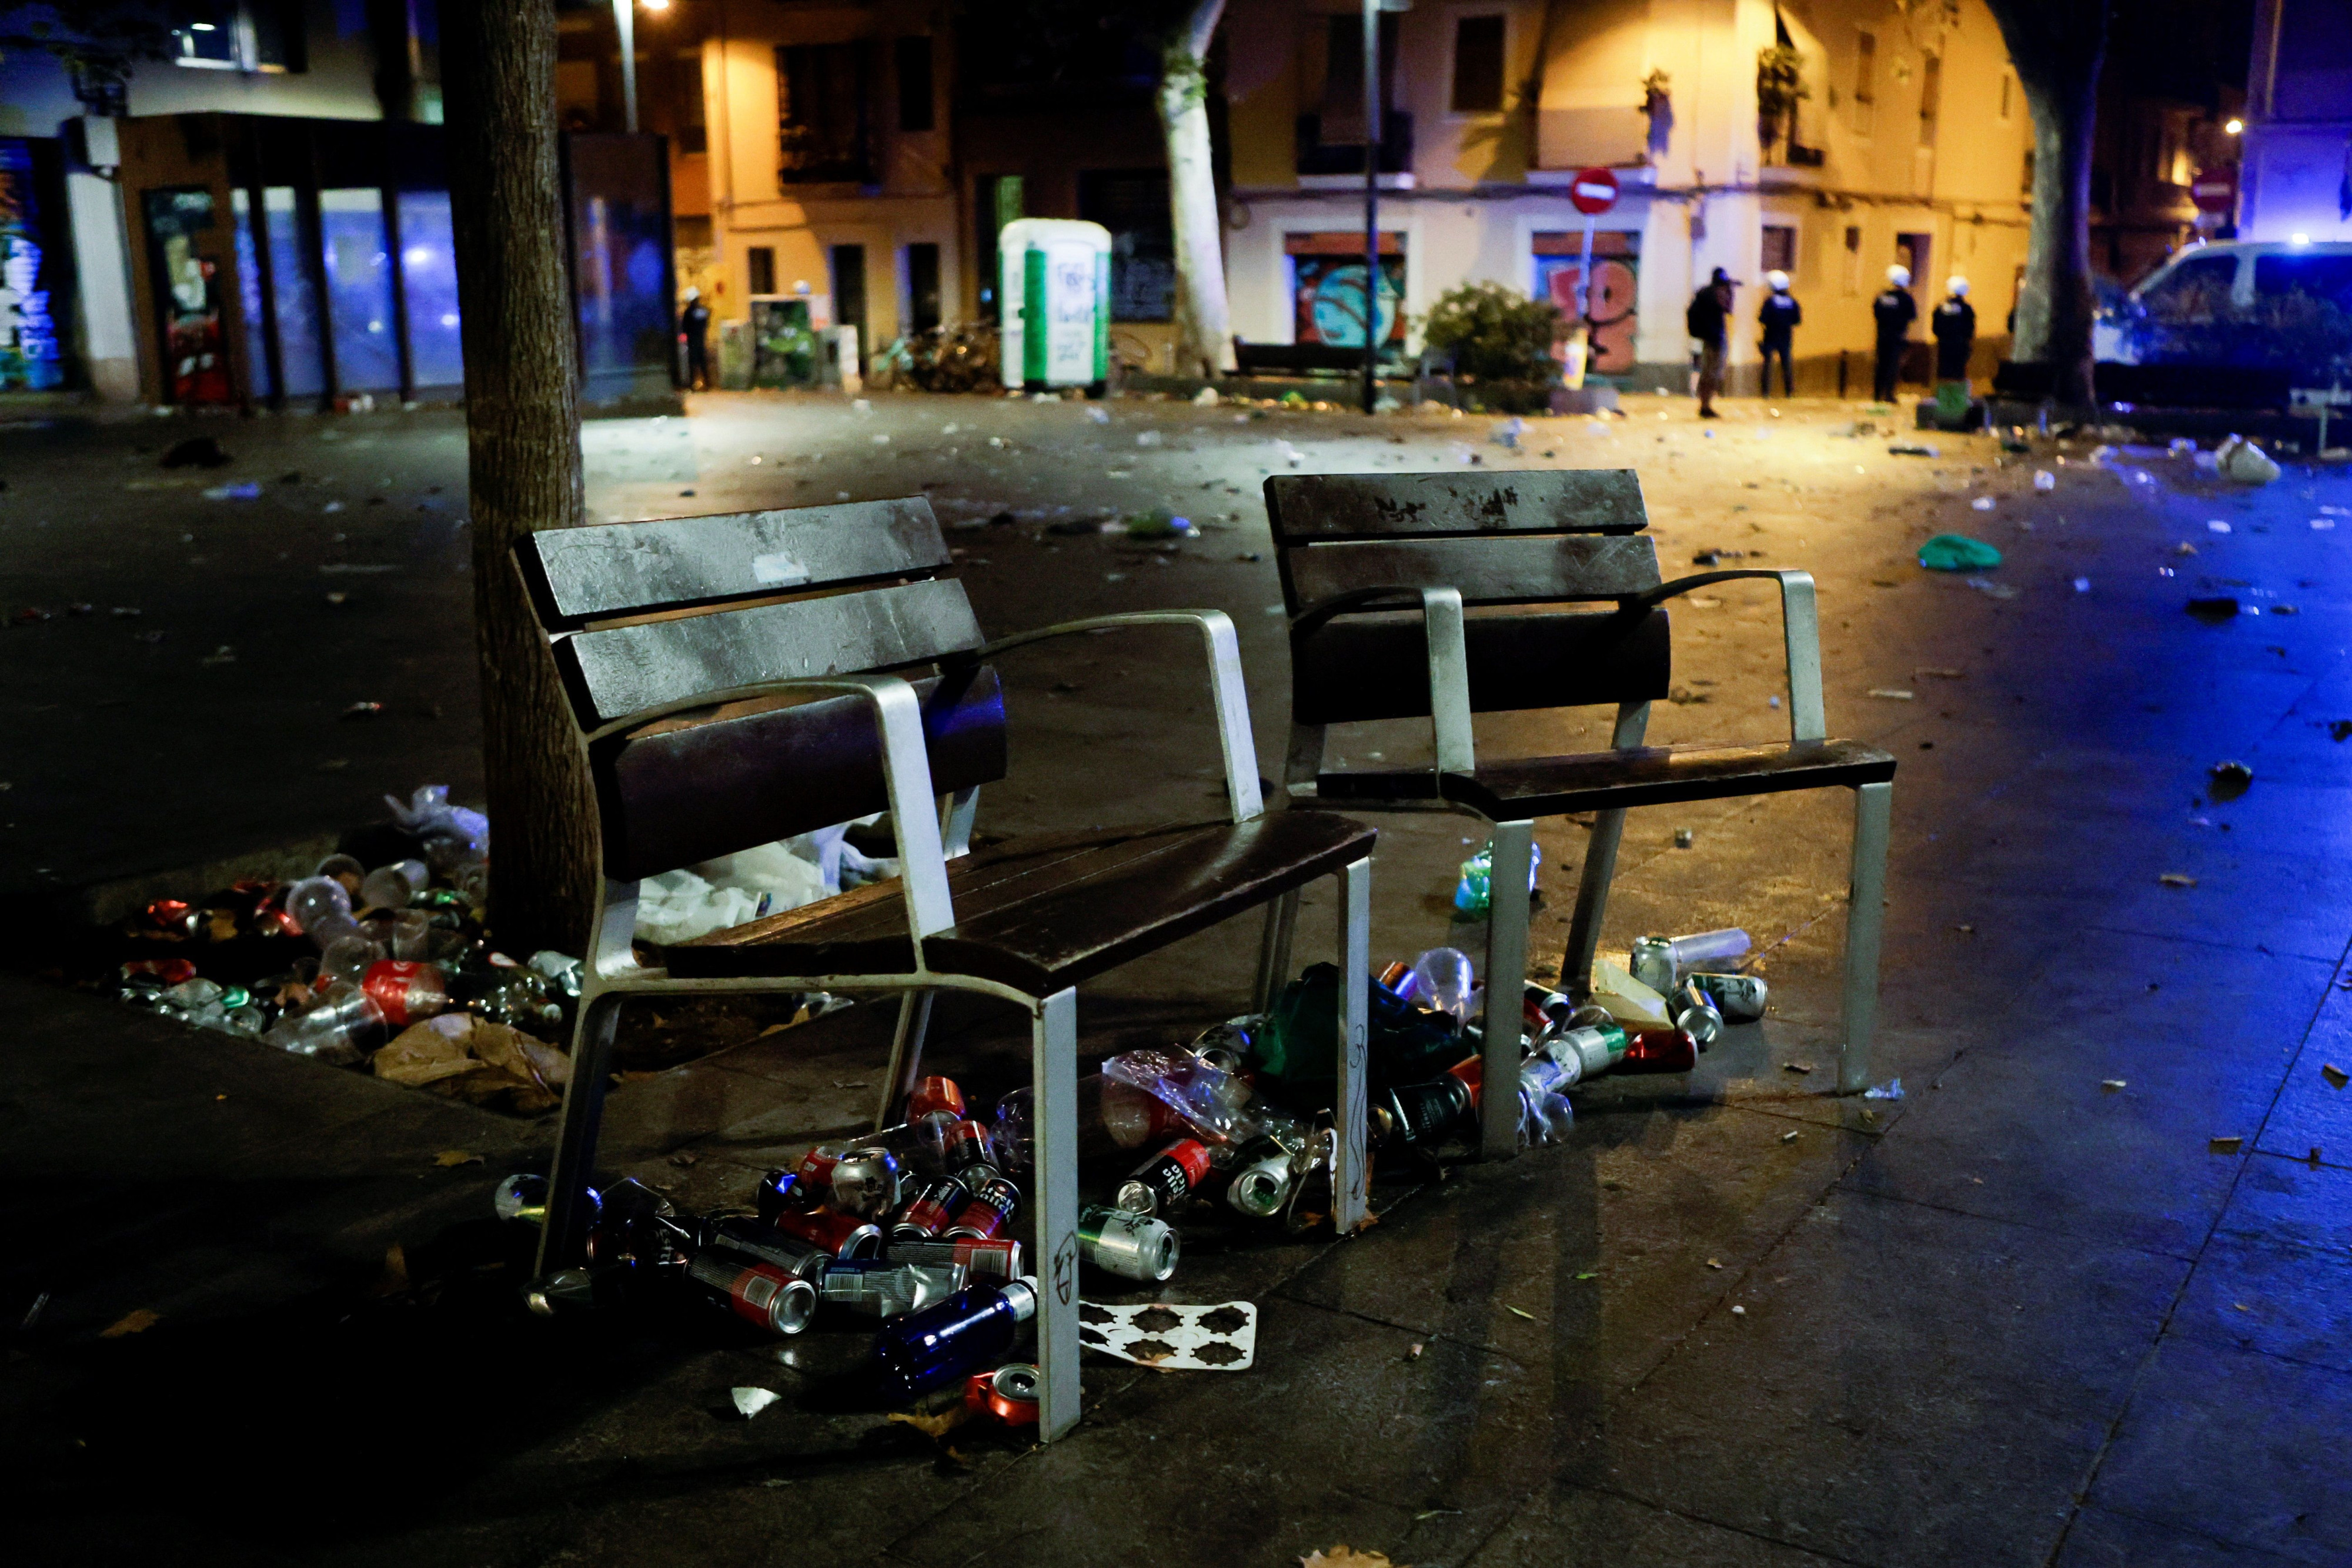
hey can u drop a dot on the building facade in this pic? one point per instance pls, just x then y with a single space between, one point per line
2296 174
1906 142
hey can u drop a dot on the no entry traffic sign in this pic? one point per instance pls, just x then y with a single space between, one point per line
2214 189
1594 191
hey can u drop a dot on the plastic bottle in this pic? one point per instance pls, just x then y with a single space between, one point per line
413 935
970 1330
407 992
1545 1114
1442 980
392 886
315 899
343 1025
346 958
1113 1118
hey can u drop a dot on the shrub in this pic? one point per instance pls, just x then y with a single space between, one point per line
1496 333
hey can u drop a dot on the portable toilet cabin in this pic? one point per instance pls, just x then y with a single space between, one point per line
1054 285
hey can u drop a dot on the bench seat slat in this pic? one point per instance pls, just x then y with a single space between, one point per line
615 569
1522 569
1639 776
622 670
1045 912
1304 507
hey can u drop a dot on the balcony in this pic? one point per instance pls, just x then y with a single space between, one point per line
1319 157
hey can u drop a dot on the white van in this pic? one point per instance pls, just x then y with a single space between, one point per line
2193 308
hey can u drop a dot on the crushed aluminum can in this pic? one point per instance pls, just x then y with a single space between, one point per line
868 1182
1131 1244
996 1258
1009 1393
881 1290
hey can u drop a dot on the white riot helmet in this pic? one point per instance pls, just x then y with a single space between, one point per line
1958 287
1899 277
1778 281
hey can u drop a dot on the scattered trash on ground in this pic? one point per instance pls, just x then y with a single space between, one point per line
1957 552
2177 879
1171 1338
750 1402
1890 1090
2240 461
2044 481
2213 608
2228 780
196 452
2335 1076
2112 1086
2224 1145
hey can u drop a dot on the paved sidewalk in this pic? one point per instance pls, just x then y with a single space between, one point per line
2024 1315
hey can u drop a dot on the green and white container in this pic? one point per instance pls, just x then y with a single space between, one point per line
1053 284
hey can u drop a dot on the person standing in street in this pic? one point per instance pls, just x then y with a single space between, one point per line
694 326
1955 326
1708 320
1780 318
1894 310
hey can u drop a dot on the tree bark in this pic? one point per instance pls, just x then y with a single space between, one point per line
2057 47
522 430
1203 324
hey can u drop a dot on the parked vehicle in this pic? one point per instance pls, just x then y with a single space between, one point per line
2268 304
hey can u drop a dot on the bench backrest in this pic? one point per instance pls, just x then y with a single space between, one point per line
644 615
1523 539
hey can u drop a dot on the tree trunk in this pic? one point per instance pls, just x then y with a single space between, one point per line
2057 47
1204 325
522 431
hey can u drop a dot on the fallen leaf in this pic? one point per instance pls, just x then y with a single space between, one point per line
1740 1311
2177 879
772 1028
450 1158
1712 1264
853 1083
1590 1274
1796 1067
137 1321
2111 1084
2224 1145
2241 1306
684 1158
934 1427
1529 1316
1892 694
2335 1076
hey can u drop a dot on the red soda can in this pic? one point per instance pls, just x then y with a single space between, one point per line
168 914
779 1302
993 1199
1397 980
1167 1178
935 1094
934 1209
816 1169
1659 1050
171 971
843 1235
404 991
968 1144
1472 1072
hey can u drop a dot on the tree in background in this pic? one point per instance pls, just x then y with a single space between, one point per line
1203 323
2057 47
523 432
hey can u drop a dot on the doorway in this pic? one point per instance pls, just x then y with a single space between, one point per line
1911 254
849 295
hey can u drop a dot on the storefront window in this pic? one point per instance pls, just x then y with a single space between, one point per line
428 277
28 333
359 290
300 359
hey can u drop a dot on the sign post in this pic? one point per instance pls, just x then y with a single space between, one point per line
1593 192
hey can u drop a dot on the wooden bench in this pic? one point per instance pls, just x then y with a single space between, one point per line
1377 571
736 679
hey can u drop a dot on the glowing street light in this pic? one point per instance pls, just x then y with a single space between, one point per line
2232 127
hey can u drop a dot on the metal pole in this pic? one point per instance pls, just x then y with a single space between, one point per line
625 18
1371 203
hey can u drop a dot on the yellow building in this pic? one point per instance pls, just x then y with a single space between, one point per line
1910 143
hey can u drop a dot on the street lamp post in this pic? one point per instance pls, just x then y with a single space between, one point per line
1371 203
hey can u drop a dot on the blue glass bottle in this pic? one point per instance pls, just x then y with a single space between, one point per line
969 1331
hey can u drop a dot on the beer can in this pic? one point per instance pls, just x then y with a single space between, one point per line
868 1182
1423 1113
1738 998
748 1238
1261 1180
1660 1050
779 1302
1543 1008
934 1209
993 1201
816 1169
1654 963
968 1144
841 1235
882 1290
1167 1178
999 1258
935 1096
1009 1393
1398 981
1696 1013
1133 1246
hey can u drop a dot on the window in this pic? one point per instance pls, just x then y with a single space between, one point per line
2197 290
1931 96
2325 278
237 35
761 262
916 110
1853 259
2008 86
2027 187
922 286
693 129
1478 64
1343 74
1865 82
1779 248
821 91
1133 204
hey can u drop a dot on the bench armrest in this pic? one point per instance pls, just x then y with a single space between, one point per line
1800 627
1234 733
906 769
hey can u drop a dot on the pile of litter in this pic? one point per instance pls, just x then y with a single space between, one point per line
915 1235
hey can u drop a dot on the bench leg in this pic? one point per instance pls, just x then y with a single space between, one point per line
1506 983
906 1055
564 1234
1351 1171
1053 1074
1865 915
1600 865
1274 952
